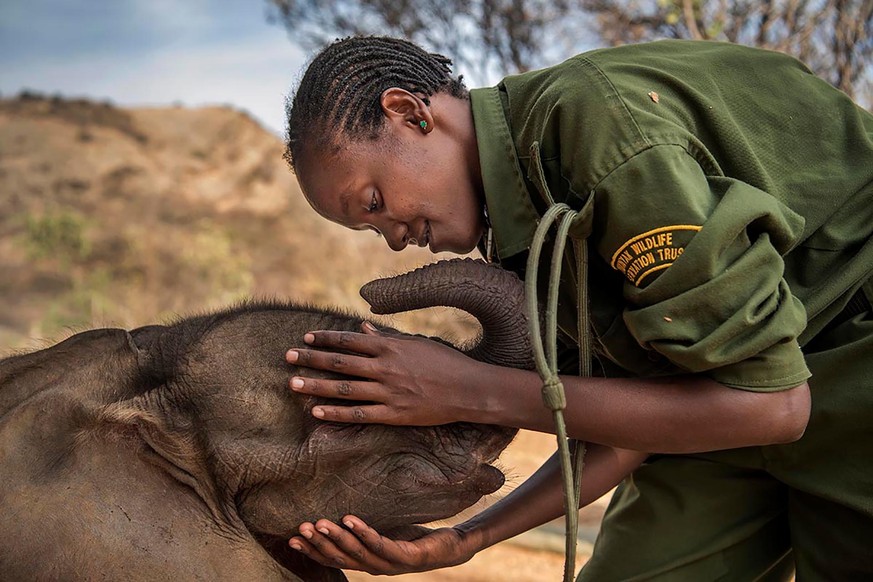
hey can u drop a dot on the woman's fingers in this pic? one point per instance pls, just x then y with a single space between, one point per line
373 540
318 546
348 364
350 341
363 414
360 547
344 389
349 390
331 545
302 545
347 543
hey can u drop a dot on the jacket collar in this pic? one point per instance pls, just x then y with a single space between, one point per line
511 213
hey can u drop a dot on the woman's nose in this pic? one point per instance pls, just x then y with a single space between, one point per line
397 243
397 236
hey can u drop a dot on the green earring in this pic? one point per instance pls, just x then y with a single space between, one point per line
423 124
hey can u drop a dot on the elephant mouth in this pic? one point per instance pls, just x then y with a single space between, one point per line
427 475
397 476
481 478
486 479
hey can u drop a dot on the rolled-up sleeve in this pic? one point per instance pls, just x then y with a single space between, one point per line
702 259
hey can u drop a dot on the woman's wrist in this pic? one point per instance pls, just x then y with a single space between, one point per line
473 535
484 394
510 397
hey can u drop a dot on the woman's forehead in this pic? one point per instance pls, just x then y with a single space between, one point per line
332 177
329 187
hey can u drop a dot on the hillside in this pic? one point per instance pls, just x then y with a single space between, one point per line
122 217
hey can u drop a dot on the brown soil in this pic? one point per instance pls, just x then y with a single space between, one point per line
505 562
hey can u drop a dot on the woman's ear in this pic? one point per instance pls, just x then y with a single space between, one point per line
404 108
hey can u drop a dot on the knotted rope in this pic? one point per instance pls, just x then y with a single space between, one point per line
547 358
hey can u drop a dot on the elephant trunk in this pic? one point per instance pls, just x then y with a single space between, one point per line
492 295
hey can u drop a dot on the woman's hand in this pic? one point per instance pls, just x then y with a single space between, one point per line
360 547
406 380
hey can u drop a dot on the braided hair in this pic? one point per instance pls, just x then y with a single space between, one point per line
340 92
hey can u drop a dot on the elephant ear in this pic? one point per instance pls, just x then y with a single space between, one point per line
306 569
75 366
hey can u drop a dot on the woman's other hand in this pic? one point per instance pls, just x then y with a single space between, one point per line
359 547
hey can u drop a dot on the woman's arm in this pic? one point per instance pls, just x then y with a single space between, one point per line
671 414
536 501
415 381
540 499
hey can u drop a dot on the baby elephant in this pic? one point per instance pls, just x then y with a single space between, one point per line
179 453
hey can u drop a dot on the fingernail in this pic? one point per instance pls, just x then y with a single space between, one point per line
306 533
349 524
297 382
318 413
292 356
308 338
324 530
297 547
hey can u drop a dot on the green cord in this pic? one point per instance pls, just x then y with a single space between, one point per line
547 359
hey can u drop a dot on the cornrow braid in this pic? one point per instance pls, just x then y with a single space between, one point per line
340 92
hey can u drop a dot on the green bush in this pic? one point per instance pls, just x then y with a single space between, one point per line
58 235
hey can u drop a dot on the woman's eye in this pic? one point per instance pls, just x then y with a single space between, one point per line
374 204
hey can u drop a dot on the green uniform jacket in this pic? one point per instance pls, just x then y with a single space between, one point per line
732 200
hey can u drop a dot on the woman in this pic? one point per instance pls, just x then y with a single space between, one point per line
729 194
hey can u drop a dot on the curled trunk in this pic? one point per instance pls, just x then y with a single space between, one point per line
492 295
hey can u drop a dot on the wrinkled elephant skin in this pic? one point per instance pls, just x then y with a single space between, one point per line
179 453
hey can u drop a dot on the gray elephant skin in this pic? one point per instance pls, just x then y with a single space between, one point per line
179 453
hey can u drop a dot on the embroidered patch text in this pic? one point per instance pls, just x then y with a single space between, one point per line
652 251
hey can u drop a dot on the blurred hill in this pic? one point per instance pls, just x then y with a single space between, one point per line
123 217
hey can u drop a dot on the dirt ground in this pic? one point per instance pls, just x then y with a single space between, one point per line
505 562
533 557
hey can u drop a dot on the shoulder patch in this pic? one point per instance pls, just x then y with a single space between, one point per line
652 251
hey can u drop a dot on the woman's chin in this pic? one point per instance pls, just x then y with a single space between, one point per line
459 247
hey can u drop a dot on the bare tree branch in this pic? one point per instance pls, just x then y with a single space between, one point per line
833 37
691 20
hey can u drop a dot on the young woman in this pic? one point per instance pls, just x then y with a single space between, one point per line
730 199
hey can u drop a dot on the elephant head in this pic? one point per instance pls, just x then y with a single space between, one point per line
206 402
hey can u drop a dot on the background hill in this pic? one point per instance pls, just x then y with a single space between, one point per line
122 217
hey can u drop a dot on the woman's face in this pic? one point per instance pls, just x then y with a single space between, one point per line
412 185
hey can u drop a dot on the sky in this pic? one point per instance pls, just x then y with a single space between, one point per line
151 52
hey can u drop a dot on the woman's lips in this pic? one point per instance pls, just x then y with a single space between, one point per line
427 235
